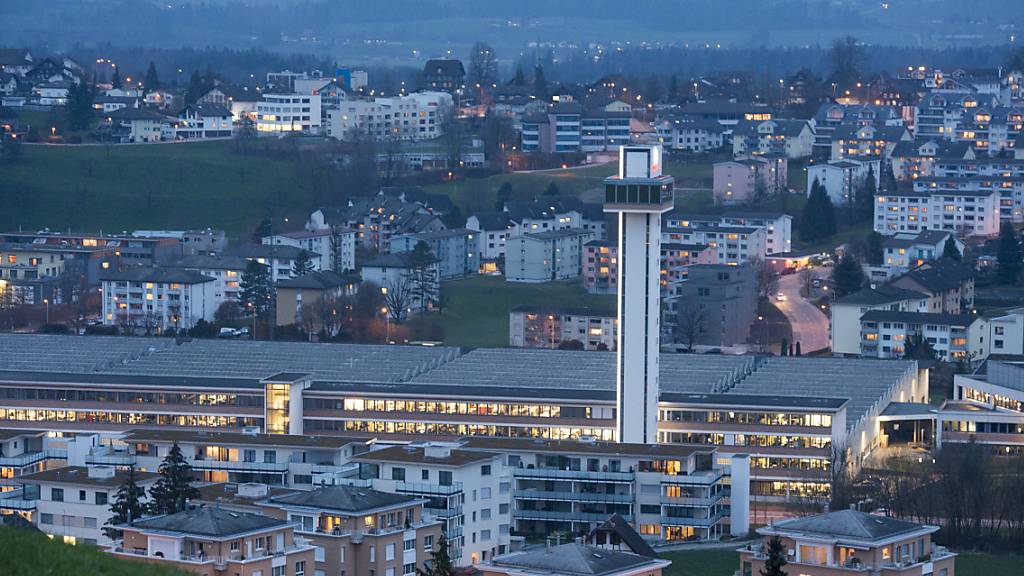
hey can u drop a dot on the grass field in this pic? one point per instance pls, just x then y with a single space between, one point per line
26 553
478 312
167 186
989 564
708 562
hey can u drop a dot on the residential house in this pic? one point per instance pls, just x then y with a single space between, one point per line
791 138
311 301
887 334
550 327
457 250
843 178
280 257
546 256
444 75
690 134
239 100
53 93
200 121
417 280
907 250
106 103
778 226
226 272
573 558
493 230
867 142
131 125
16 61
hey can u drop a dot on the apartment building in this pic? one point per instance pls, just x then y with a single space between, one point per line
155 299
748 180
886 334
939 113
690 134
930 206
1003 174
846 312
493 230
850 542
842 178
279 257
456 249
778 226
545 256
209 540
130 125
549 327
569 127
733 245
334 247
870 142
130 250
401 271
199 121
600 267
792 139
1008 332
416 116
282 113
21 452
720 303
444 74
916 158
313 300
834 116
375 220
226 272
556 213
468 493
906 250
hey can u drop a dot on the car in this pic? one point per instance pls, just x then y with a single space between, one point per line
227 333
780 297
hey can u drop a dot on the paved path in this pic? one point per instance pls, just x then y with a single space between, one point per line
809 323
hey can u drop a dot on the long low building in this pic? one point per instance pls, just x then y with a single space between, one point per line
788 414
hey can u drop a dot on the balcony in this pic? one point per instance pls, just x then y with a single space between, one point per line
565 516
702 478
530 494
450 512
204 464
555 473
105 455
694 501
31 458
684 521
15 500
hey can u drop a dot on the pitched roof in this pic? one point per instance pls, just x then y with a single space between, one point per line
919 317
617 525
938 276
922 237
439 67
848 523
278 251
209 521
211 262
342 499
132 113
316 280
881 295
574 560
493 220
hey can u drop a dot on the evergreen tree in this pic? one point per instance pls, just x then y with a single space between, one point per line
115 80
888 178
876 253
519 79
171 492
303 264
1008 255
918 348
263 229
950 250
504 195
440 563
817 221
78 110
552 190
127 505
776 553
673 89
152 81
866 195
195 90
540 83
423 289
848 276
255 288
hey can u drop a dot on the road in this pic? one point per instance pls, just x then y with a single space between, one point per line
809 323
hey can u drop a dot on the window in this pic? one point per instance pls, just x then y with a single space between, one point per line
389 571
88 522
502 508
389 552
398 474
485 514
278 571
57 494
424 474
485 493
45 518
270 456
485 470
485 535
81 495
236 545
444 477
373 553
300 568
409 569
408 545
101 498
249 456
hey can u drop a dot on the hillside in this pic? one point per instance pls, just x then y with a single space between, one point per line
27 553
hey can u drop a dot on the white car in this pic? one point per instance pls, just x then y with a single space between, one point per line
780 297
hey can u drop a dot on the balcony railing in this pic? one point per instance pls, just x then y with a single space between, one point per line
204 464
566 516
566 496
684 521
31 458
555 473
450 512
112 459
15 500
694 500
432 489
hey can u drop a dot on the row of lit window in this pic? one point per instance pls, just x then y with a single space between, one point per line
133 419
733 417
378 427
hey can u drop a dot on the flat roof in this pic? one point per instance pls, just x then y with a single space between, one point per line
417 455
201 436
79 475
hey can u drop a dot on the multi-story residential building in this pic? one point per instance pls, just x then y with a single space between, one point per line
444 75
906 250
199 121
778 226
600 267
690 134
546 256
850 542
377 219
569 127
886 334
413 117
940 112
573 558
493 230
916 158
200 241
869 142
1004 174
548 327
239 100
130 250
749 180
733 245
469 492
842 178
401 271
790 138
556 213
787 423
457 250
1008 333
155 299
130 125
726 112
280 257
21 452
358 530
980 199
313 300
964 212
717 304
334 248
210 539
226 272
279 113
833 117
71 503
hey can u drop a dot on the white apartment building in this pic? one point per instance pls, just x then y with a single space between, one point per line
284 113
928 207
417 116
546 256
493 230
885 333
226 272
742 180
546 327
847 312
334 249
1004 174
691 135
280 257
734 245
842 178
155 299
778 226
1007 333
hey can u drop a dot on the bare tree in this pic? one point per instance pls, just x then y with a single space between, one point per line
767 280
690 319
806 281
453 137
398 298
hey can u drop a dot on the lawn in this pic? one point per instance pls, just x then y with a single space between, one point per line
988 564
165 186
29 553
477 314
703 562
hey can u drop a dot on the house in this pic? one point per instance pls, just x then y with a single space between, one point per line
161 99
717 304
53 93
748 180
843 178
493 230
544 327
887 333
16 61
732 245
690 134
239 100
211 539
834 117
283 113
904 251
949 284
570 560
850 542
778 226
8 83
867 142
791 138
131 125
335 248
912 159
156 299
72 503
312 300
417 281
199 121
546 256
376 219
280 257
106 103
409 118
444 75
457 249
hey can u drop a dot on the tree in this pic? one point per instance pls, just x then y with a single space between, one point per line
423 278
196 88
918 348
115 81
302 264
807 281
10 148
172 491
127 505
776 558
1009 255
817 221
540 83
483 64
552 190
847 58
152 81
440 563
519 79
690 321
78 110
398 298
951 250
848 276
767 279
453 138
255 289
264 229
865 200
875 252
504 195
673 89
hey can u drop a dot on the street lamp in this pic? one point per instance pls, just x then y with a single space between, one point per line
46 303
387 324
